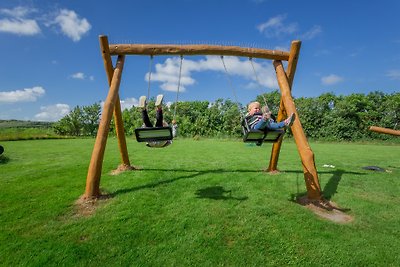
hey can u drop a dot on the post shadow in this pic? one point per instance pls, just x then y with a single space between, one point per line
192 174
330 189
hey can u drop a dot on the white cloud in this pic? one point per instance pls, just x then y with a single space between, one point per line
331 79
82 76
53 112
78 75
128 103
19 26
275 27
17 23
24 95
278 27
71 25
17 12
393 74
168 72
314 31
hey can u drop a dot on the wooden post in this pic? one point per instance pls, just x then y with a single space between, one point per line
291 69
119 126
306 154
96 162
384 130
218 50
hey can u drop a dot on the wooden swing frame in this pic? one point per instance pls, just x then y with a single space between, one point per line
112 104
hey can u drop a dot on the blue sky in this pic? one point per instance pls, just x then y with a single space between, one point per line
51 62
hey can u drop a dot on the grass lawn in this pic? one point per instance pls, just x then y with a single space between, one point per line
200 203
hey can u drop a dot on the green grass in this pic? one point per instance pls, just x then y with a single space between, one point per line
14 134
201 203
12 130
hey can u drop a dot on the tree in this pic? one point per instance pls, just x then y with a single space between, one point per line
91 119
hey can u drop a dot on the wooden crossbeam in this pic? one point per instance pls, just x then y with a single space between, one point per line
157 49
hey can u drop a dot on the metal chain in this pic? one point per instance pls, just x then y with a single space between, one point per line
258 81
233 89
179 85
150 69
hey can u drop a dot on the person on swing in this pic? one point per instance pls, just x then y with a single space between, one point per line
260 119
159 120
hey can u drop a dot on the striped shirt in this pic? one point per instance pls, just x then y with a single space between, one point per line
252 120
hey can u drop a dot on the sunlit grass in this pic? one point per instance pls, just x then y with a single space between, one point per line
205 202
13 134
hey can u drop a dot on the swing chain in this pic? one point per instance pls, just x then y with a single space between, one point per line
179 85
150 69
233 89
258 81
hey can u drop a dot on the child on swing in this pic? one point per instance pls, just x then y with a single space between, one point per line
260 119
159 120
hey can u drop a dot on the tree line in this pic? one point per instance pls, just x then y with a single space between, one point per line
326 117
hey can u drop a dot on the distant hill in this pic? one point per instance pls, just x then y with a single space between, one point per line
24 124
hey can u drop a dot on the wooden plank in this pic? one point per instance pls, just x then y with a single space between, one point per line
118 122
384 130
291 69
306 154
96 162
169 49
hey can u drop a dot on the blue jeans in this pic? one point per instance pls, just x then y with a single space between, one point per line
268 125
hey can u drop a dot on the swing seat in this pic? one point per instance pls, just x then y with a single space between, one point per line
153 134
259 136
256 136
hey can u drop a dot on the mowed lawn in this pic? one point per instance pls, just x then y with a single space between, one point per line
197 203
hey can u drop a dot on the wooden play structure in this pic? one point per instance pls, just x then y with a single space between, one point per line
112 104
384 130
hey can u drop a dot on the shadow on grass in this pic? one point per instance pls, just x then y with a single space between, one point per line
217 193
193 174
4 159
330 189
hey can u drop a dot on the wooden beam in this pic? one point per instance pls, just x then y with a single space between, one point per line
306 154
291 69
157 49
96 162
119 125
384 130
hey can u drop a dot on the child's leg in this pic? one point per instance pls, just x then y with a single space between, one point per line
159 117
276 125
261 125
146 119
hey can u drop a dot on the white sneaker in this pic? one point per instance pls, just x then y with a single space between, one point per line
142 102
159 100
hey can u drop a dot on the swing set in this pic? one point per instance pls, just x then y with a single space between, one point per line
112 107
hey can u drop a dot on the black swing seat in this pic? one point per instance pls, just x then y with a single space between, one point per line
256 136
152 134
259 136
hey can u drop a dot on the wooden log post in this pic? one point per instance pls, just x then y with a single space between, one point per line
217 50
119 126
96 162
306 154
384 130
291 69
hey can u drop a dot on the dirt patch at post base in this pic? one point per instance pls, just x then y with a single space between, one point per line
85 207
326 209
